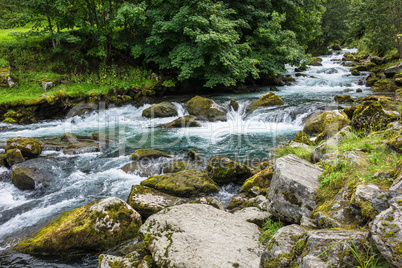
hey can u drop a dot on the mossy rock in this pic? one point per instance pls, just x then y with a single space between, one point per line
260 181
209 201
3 160
148 154
194 156
175 166
29 147
224 170
206 109
385 85
98 226
14 156
395 144
354 71
319 123
370 115
182 122
371 80
185 183
69 137
344 99
25 178
163 109
302 138
326 134
269 99
234 104
302 68
315 61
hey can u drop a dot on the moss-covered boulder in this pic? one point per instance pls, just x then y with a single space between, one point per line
385 85
135 255
3 160
98 226
395 144
69 137
224 170
343 99
319 123
259 183
370 115
163 109
206 109
301 137
354 71
234 104
181 122
29 147
269 99
175 166
371 80
194 156
315 61
185 183
242 201
148 154
25 178
14 156
5 77
148 201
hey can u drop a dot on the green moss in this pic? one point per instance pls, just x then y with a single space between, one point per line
269 99
331 119
148 154
291 197
390 218
384 223
163 109
302 138
299 246
261 180
224 170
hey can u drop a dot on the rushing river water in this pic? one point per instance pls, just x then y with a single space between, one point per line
78 180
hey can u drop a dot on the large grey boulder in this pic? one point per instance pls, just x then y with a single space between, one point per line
252 214
293 188
196 235
387 235
323 151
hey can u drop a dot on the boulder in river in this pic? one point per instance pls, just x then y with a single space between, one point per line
3 160
14 156
141 154
69 137
196 235
269 99
142 169
293 189
163 109
343 99
98 226
234 104
185 183
206 109
224 170
29 147
176 166
318 123
194 156
25 178
182 122
81 147
370 115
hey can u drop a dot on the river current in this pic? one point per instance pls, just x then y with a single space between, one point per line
80 179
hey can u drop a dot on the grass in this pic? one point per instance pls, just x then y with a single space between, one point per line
269 230
302 152
6 35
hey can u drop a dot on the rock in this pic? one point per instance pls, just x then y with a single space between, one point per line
395 144
301 137
362 200
336 47
269 99
26 178
279 251
3 160
359 90
383 199
356 158
82 147
176 166
234 104
185 183
163 109
241 201
134 256
215 242
194 156
47 85
325 222
206 109
307 222
355 72
302 68
98 226
253 215
182 122
142 169
209 201
262 165
315 62
5 77
142 154
14 156
385 85
344 99
293 144
293 190
273 88
224 170
391 71
99 137
29 147
377 60
148 201
370 115
260 181
386 233
69 137
319 123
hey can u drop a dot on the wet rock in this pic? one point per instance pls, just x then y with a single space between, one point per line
163 109
301 137
325 120
69 137
385 85
302 68
253 215
14 156
209 201
174 242
97 226
355 72
194 156
206 109
336 47
25 178
362 200
3 160
343 99
269 99
142 168
182 122
176 166
273 88
293 190
184 183
241 201
29 147
387 235
359 90
259 182
391 71
81 147
234 104
141 154
315 62
148 201
224 170
377 60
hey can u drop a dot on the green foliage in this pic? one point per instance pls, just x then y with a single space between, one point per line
269 230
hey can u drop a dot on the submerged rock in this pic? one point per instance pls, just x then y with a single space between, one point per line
269 99
142 169
182 122
97 226
163 109
141 154
192 235
29 147
81 147
234 104
184 183
293 188
224 170
206 109
319 123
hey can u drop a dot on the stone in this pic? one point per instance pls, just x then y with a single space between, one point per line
293 144
386 233
241 201
261 181
395 144
142 154
185 183
25 178
385 85
3 160
383 199
224 170
274 88
148 201
325 222
69 137
98 226
5 77
182 122
29 147
269 99
336 47
13 157
132 256
206 109
307 222
293 188
234 104
344 99
315 62
356 158
194 156
176 166
220 239
319 123
355 72
253 215
209 201
163 109
142 169
301 137
362 200
359 90
81 147
391 71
